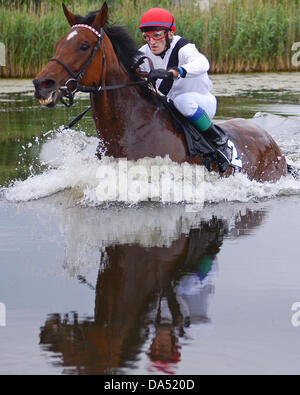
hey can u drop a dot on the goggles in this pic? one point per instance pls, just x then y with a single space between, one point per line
156 35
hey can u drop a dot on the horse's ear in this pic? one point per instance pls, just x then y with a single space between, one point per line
70 17
101 17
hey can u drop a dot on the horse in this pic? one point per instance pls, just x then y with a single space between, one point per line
128 121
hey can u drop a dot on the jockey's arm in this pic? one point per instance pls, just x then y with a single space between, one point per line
192 62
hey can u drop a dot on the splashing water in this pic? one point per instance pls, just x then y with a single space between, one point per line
71 164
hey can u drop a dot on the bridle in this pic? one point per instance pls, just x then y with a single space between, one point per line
72 84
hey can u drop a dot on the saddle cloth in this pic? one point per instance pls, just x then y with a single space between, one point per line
197 144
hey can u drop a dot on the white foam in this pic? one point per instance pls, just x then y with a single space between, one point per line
72 164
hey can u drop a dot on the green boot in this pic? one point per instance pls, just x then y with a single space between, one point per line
215 136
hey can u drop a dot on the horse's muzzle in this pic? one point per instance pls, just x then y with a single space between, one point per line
46 91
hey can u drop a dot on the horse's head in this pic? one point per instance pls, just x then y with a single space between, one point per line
75 59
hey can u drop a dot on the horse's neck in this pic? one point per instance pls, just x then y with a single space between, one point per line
121 115
118 102
117 107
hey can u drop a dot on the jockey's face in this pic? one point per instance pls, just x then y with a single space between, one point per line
158 46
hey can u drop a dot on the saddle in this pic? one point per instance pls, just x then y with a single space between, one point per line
197 144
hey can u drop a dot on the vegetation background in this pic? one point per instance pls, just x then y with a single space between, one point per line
236 35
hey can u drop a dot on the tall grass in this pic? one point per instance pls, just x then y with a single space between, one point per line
236 35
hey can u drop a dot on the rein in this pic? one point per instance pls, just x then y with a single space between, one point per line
72 85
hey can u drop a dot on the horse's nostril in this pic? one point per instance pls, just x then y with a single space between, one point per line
47 83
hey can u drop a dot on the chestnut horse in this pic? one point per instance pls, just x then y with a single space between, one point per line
100 57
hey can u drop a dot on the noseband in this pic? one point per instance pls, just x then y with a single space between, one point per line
72 85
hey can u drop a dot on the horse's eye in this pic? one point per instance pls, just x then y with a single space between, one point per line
85 47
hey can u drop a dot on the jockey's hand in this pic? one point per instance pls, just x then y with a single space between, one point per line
159 74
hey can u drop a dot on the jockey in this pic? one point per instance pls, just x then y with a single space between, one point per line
180 73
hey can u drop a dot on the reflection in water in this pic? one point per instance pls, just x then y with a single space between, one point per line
150 298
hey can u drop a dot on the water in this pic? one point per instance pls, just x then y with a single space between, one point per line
145 288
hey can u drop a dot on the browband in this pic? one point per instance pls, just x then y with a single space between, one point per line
88 27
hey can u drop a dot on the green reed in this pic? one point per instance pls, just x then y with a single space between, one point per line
236 35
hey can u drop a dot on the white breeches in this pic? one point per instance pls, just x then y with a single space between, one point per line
188 103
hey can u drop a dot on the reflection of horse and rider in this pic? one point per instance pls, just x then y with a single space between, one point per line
147 300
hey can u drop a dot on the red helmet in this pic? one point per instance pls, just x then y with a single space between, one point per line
157 18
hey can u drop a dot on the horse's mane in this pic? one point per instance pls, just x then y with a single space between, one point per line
124 45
